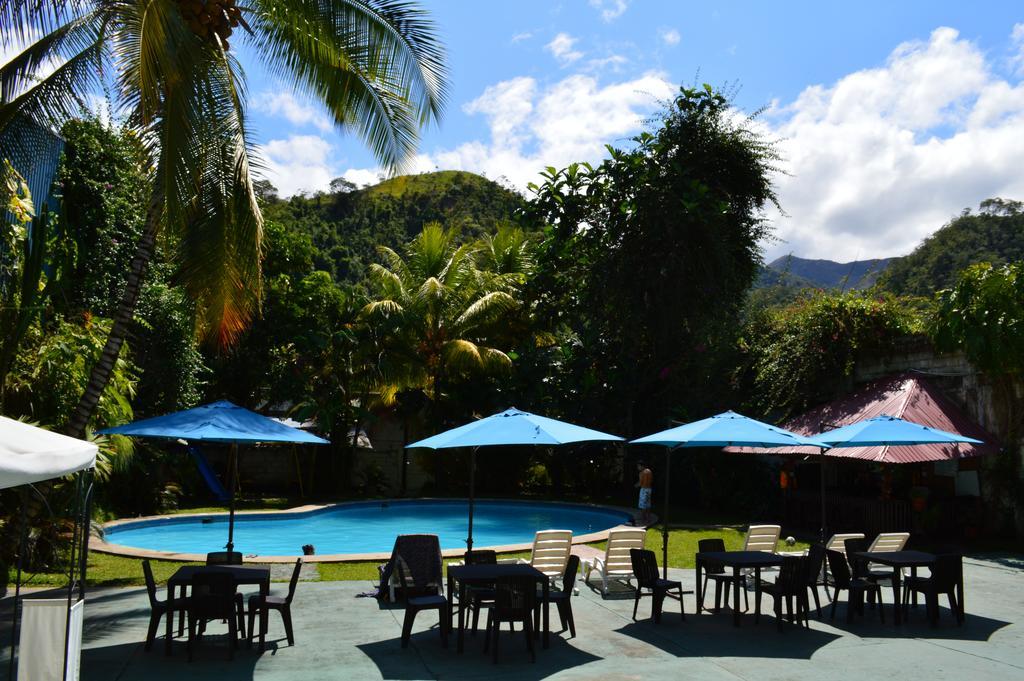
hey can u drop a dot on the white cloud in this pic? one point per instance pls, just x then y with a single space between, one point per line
669 36
610 9
1017 60
520 37
533 127
299 163
283 103
561 47
884 156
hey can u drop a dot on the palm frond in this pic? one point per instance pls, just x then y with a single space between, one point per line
486 310
376 65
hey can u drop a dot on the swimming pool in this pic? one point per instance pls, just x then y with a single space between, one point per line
364 527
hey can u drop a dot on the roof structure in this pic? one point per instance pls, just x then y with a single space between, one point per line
908 396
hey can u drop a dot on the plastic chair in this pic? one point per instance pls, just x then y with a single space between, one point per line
562 598
946 573
550 552
158 608
645 567
479 596
718 575
856 587
815 572
616 563
762 538
515 599
214 597
264 604
790 585
416 604
224 558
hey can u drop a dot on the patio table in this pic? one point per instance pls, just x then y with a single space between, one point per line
484 575
737 560
182 578
898 560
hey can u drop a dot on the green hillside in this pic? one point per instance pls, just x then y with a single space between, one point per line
994 234
348 226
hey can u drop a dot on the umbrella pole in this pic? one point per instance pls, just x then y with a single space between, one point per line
472 481
824 523
23 534
232 468
664 520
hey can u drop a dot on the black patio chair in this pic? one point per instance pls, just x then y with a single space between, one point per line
479 596
945 575
514 601
258 603
215 597
420 595
157 608
645 569
716 573
224 558
420 553
790 586
562 597
815 572
863 569
856 587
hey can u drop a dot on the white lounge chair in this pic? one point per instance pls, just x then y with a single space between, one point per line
838 541
550 554
617 563
762 538
889 541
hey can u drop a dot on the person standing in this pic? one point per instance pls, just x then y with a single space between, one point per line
644 483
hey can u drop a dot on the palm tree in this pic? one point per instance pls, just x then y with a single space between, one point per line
376 65
438 315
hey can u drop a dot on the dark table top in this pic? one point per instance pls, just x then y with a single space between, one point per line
243 574
898 558
485 573
741 558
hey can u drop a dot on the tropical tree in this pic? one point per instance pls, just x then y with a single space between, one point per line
375 65
439 317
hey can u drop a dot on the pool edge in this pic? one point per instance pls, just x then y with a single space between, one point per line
100 545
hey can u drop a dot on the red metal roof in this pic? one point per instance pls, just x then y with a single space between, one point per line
908 396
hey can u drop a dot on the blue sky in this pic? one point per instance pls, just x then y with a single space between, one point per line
892 116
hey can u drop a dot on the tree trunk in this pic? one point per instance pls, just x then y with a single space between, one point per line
122 321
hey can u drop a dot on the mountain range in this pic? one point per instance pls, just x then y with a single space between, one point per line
790 270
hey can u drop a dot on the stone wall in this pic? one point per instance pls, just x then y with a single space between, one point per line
976 395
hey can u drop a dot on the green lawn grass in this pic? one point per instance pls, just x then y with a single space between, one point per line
107 570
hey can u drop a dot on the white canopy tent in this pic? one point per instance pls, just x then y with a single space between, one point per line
29 454
51 628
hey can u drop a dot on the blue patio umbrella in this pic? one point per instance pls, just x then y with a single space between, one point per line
510 427
220 422
727 429
889 431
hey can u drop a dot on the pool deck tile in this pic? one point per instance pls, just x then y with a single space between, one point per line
340 636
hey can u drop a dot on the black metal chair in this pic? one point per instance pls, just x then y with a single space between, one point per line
790 586
815 570
562 598
479 596
645 569
856 587
515 599
258 603
415 604
946 573
214 597
224 558
158 609
716 573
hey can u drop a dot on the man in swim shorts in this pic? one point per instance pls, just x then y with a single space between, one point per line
645 482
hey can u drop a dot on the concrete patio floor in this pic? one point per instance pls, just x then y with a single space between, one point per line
340 636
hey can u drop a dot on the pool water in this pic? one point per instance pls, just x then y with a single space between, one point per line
365 527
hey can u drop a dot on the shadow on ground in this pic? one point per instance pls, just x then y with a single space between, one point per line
425 649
